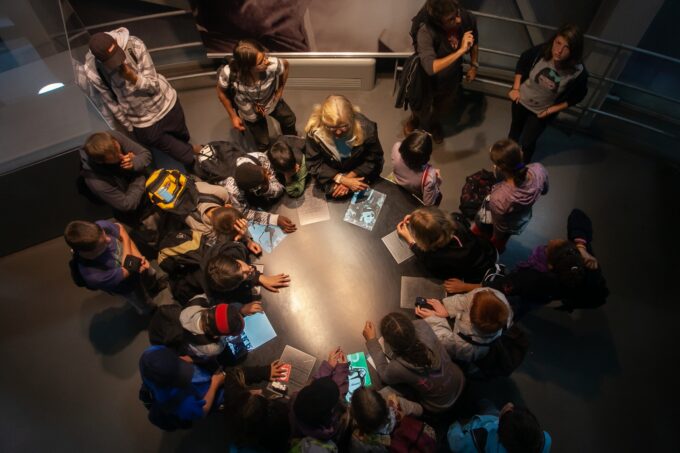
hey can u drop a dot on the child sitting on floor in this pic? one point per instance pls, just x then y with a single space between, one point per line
105 258
377 415
229 276
412 171
287 156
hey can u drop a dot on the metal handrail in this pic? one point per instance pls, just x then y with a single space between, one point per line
590 37
180 12
602 79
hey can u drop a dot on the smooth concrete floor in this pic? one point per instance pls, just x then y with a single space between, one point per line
599 381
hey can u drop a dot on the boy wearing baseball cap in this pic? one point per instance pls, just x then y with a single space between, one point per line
119 68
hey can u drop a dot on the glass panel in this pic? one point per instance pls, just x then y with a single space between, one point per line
34 55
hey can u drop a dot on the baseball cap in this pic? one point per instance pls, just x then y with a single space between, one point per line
105 49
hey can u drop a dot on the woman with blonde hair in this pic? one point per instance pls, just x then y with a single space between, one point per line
343 150
446 246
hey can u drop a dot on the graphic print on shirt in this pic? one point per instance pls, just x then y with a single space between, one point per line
549 79
454 37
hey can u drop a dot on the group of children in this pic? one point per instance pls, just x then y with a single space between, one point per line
194 225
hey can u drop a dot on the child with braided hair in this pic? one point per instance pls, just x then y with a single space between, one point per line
414 357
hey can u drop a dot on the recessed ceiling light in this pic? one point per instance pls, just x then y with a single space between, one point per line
50 87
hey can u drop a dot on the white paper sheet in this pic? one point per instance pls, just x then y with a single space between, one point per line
412 287
398 248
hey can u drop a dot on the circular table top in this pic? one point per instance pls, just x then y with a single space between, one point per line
341 276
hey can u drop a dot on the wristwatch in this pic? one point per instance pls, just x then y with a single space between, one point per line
475 64
337 178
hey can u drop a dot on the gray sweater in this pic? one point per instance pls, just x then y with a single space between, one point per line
120 189
437 387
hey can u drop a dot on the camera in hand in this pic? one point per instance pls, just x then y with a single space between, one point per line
132 263
422 303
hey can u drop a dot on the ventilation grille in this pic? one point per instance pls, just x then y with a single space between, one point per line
323 83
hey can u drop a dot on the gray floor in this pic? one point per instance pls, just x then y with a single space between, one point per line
599 380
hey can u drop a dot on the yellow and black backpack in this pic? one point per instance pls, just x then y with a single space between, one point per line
172 191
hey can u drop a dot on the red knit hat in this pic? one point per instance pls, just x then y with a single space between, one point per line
228 320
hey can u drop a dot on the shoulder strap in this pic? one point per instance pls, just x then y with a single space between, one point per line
423 180
479 437
130 52
104 76
468 339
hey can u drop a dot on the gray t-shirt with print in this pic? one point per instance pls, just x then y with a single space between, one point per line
545 84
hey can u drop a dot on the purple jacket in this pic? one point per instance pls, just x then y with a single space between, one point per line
340 375
511 206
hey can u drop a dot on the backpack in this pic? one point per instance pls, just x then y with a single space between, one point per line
166 329
217 161
412 435
76 276
172 191
163 414
476 188
506 353
230 91
412 85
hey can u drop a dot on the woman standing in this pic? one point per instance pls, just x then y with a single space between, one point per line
343 150
548 79
251 88
512 199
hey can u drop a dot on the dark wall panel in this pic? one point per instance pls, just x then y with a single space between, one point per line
39 200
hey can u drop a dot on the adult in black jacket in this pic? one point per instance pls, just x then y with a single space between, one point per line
443 32
548 79
445 246
343 150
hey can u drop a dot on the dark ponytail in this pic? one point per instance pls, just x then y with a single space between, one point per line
506 154
400 335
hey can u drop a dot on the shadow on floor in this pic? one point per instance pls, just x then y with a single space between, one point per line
113 329
576 354
205 435
469 111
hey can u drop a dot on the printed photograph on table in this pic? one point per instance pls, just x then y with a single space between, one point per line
364 208
268 236
358 373
256 332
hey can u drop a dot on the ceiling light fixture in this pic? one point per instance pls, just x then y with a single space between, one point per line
50 87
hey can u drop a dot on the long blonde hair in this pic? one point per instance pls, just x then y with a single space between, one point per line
334 111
